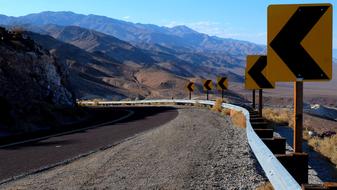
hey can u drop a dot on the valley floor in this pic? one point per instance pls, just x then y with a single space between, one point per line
197 150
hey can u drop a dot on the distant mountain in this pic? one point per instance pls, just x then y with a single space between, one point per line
175 61
179 37
96 42
115 59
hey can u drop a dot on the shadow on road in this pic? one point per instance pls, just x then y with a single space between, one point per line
97 117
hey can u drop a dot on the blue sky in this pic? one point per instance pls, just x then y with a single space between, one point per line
238 19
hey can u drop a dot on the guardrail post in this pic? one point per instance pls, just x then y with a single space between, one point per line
296 164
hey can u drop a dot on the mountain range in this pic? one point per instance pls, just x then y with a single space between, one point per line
108 58
180 37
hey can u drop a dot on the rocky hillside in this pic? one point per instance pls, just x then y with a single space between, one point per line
180 38
30 79
97 75
117 60
97 42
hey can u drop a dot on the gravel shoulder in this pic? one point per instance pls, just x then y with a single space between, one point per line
197 150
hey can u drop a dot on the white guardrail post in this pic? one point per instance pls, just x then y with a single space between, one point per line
278 176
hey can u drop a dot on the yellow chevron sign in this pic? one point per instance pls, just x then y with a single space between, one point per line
207 84
190 86
255 77
299 42
222 83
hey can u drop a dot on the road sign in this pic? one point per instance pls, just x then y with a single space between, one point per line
299 42
255 77
190 86
208 84
222 83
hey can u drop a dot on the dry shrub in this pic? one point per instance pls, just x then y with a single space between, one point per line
238 119
326 146
280 116
217 105
265 186
226 111
305 134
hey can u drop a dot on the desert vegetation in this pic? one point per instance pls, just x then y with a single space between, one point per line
279 116
265 186
327 146
238 118
324 144
217 105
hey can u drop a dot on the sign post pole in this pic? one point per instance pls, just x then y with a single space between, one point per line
253 99
298 116
260 102
190 88
208 85
222 84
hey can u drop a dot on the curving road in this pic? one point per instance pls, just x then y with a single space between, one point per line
199 149
33 156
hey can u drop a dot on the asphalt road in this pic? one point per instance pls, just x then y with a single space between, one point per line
29 157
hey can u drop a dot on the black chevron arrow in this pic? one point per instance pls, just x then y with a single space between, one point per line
190 86
207 84
221 83
287 43
256 73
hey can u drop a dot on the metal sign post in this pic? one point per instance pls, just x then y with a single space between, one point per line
208 85
253 99
298 116
222 84
260 102
190 88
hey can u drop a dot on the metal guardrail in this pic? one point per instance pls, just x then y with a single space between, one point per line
278 176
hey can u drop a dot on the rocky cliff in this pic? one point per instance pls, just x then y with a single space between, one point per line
31 83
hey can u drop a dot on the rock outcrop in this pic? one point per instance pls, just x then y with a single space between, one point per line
31 83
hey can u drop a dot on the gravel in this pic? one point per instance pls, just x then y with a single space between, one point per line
197 150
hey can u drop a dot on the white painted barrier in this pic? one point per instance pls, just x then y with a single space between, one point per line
278 176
